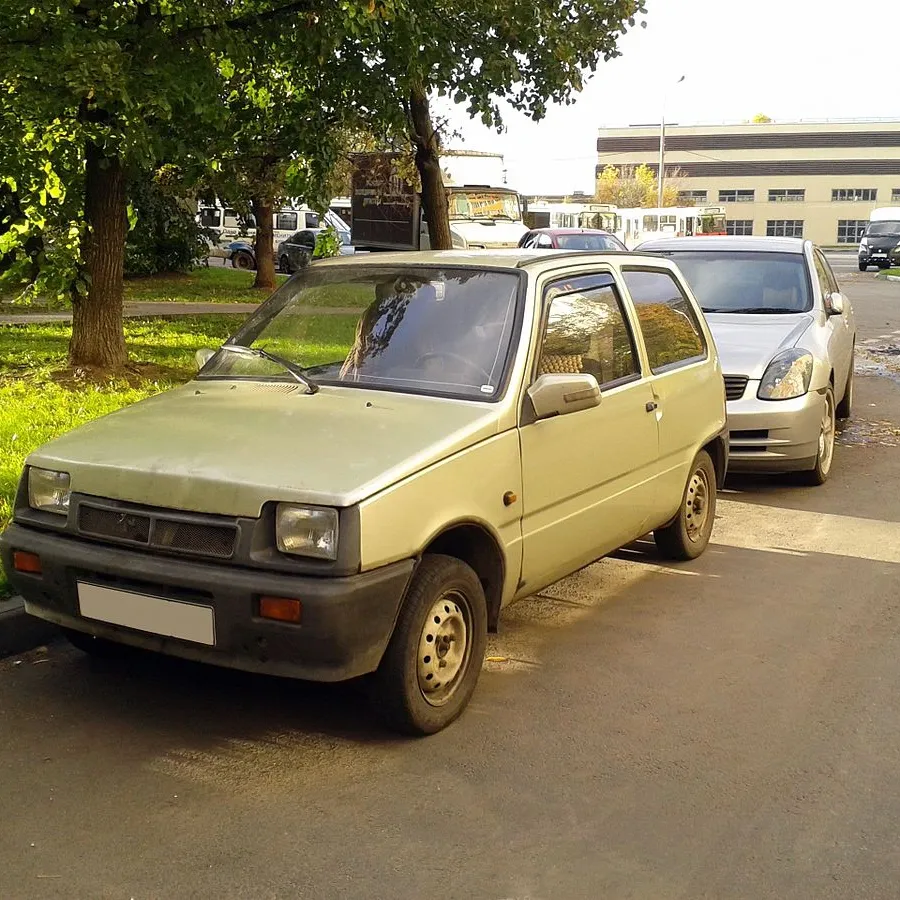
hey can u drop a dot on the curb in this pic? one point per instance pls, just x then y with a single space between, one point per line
888 277
20 632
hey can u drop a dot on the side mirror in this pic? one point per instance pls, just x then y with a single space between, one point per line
834 304
556 395
202 357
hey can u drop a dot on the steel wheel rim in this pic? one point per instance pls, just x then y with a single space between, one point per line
444 647
696 505
826 435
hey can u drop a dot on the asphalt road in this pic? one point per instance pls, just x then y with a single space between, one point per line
726 728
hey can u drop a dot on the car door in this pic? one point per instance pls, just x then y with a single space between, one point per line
840 338
683 388
588 475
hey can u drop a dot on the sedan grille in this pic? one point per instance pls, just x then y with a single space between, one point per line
156 530
735 385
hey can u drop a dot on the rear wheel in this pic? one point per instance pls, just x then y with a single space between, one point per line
819 473
432 663
845 407
687 536
243 260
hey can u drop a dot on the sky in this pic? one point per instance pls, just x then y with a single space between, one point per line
789 59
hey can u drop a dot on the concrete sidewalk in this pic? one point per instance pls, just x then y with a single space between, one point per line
19 631
166 309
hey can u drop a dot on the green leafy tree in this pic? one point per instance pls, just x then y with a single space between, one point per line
632 186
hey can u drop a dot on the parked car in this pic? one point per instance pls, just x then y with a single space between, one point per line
493 423
571 239
786 335
879 244
297 251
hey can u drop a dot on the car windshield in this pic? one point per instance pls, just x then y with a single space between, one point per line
484 205
587 242
883 228
417 329
746 282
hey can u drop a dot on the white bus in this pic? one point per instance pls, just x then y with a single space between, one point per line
642 224
599 216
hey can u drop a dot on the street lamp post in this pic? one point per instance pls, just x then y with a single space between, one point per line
661 175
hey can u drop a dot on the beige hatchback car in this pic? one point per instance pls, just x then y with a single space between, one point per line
367 503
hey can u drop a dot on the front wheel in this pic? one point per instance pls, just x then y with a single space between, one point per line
432 663
687 536
819 473
863 265
285 265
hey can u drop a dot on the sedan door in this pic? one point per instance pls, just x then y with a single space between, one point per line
588 476
839 325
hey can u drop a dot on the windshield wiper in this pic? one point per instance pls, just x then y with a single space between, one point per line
293 368
763 309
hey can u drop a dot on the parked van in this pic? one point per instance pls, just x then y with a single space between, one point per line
882 235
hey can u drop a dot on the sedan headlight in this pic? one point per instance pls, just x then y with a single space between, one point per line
787 376
48 491
307 530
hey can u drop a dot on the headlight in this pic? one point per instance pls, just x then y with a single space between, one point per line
787 376
307 530
48 491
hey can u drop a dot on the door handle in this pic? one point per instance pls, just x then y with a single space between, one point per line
652 405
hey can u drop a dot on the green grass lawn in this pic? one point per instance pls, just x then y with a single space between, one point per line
216 284
39 399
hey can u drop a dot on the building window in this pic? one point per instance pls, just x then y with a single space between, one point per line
782 195
692 198
739 226
853 194
895 195
737 196
850 231
784 228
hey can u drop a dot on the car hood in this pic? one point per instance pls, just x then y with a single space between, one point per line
883 241
494 234
227 447
747 343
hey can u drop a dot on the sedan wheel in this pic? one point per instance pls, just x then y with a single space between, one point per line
687 536
825 451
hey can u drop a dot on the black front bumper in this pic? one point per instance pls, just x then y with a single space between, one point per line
346 622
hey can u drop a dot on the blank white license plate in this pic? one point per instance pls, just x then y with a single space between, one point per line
172 618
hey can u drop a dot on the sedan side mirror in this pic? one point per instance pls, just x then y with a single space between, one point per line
202 357
834 304
556 395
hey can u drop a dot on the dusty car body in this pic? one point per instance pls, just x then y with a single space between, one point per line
494 422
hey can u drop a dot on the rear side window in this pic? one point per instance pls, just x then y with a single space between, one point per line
587 333
285 221
672 334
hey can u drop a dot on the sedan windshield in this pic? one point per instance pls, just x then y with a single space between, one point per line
587 242
418 329
749 283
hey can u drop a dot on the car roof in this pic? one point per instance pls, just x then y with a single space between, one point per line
570 231
725 243
515 258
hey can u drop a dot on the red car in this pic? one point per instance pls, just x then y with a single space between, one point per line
571 239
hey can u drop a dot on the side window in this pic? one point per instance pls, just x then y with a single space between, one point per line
285 221
827 281
587 332
544 242
672 334
312 220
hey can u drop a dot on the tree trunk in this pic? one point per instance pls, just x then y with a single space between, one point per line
265 244
428 162
98 337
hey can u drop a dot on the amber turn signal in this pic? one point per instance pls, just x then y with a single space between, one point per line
281 609
26 562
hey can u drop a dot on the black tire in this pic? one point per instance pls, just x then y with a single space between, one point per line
243 260
819 473
398 685
687 536
99 648
285 265
845 407
863 265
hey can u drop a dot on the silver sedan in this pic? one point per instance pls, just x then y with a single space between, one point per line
786 336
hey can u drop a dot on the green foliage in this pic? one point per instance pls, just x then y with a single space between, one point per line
165 236
328 244
633 186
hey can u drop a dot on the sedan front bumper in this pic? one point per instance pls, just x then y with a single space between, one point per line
774 435
345 627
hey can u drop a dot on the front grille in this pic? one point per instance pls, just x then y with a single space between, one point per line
160 530
735 386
